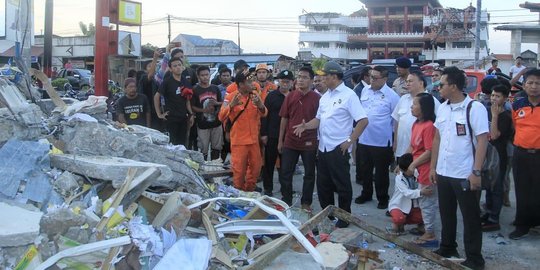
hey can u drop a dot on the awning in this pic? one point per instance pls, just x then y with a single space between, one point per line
36 51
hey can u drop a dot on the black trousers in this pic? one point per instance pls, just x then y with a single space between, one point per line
527 181
270 156
367 158
450 195
333 176
289 159
177 131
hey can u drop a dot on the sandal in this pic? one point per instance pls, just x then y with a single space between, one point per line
426 243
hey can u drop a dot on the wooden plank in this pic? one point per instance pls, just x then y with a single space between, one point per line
346 216
49 88
267 253
139 185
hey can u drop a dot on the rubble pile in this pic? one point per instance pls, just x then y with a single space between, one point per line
78 191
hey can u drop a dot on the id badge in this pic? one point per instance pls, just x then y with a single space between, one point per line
460 129
178 91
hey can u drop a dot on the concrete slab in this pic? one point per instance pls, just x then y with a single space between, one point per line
19 226
104 168
22 160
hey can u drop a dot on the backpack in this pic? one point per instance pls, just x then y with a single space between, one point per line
490 167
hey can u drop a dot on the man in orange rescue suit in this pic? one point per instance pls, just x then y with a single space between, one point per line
244 108
526 117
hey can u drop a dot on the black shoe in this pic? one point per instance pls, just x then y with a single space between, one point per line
342 224
258 189
362 200
518 233
268 193
446 253
489 226
388 214
473 265
484 217
382 205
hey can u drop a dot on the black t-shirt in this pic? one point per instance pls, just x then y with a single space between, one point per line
504 124
201 99
175 103
148 88
134 110
270 123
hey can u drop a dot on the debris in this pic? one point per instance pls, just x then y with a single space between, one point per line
84 249
173 215
191 254
335 256
20 226
67 184
58 221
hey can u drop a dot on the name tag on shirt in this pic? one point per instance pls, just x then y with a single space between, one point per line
460 129
178 91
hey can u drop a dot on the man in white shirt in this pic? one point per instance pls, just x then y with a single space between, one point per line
416 84
338 108
456 170
374 149
517 68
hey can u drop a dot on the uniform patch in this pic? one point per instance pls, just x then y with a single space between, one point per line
521 113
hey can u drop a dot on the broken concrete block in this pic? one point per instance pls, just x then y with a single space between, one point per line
19 226
335 256
292 260
59 221
21 160
77 234
101 140
344 235
105 168
149 134
67 184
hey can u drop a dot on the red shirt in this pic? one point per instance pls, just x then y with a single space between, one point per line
298 107
422 141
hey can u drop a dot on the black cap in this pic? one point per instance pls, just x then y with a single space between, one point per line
403 62
286 74
332 68
240 64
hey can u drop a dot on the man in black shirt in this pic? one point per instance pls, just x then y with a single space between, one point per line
206 103
500 133
270 128
133 108
177 94
148 87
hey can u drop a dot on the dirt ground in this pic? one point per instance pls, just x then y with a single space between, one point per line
520 254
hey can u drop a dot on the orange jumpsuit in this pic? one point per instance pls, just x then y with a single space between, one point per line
245 151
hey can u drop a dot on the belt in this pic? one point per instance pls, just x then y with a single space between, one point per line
530 151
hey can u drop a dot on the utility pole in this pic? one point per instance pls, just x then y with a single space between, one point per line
169 23
239 48
477 38
47 40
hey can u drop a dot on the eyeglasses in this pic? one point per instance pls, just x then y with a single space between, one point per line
375 78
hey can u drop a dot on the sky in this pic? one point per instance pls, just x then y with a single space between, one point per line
266 26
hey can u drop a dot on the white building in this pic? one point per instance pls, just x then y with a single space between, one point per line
196 45
419 29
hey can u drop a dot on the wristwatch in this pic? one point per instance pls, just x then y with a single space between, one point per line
477 172
349 140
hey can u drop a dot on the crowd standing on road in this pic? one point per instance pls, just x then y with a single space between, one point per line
436 134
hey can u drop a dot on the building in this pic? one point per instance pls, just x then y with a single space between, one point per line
419 29
278 62
196 45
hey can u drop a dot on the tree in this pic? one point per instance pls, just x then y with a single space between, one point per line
147 50
89 30
318 63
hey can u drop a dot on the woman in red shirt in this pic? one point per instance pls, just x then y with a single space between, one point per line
423 131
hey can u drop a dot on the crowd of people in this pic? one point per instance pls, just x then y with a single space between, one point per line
436 134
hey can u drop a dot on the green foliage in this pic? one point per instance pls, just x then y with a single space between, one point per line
59 83
147 50
318 63
87 30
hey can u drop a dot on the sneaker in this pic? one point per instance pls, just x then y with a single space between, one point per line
446 253
518 233
268 193
307 208
362 200
489 226
382 205
258 189
484 217
473 265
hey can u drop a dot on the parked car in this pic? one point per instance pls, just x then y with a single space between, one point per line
78 78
